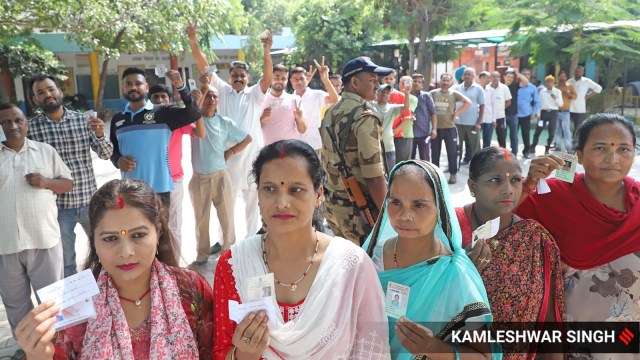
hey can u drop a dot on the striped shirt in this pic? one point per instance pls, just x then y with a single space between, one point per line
73 139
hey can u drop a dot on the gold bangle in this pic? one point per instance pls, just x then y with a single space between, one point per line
233 353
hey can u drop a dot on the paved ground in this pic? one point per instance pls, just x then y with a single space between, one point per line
105 172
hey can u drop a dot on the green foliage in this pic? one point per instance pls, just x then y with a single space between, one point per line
555 30
27 57
335 29
266 14
115 26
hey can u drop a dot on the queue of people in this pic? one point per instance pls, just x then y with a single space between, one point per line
393 224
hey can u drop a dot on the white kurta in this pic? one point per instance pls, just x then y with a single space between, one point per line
244 108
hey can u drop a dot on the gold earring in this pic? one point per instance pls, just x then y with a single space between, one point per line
473 194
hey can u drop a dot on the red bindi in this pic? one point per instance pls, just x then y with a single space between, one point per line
281 182
612 144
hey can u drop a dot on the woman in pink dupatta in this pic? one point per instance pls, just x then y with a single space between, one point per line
520 265
148 307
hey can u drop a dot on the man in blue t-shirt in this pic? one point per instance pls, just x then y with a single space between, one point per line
140 134
528 108
211 182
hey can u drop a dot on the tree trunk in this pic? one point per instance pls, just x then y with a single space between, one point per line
428 65
424 59
4 73
412 47
97 102
575 58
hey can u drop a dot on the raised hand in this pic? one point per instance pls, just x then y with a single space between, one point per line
542 166
175 78
268 41
205 79
480 255
35 331
197 96
192 30
297 112
311 72
251 336
323 70
97 126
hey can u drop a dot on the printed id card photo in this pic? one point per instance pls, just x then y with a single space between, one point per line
396 300
260 287
568 171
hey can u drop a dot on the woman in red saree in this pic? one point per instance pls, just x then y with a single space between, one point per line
148 307
520 265
596 223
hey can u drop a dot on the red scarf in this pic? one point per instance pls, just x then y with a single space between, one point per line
588 233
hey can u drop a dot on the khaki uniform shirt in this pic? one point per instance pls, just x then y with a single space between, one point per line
356 121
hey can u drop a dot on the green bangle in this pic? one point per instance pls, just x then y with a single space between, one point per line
455 350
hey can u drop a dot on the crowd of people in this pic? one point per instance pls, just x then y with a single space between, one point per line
360 155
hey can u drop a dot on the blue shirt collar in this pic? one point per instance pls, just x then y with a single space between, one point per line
147 106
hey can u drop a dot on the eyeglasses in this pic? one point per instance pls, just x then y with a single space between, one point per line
19 122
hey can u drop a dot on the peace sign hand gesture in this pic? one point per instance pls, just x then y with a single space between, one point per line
311 73
297 112
323 70
192 29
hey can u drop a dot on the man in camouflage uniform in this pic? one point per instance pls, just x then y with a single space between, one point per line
358 130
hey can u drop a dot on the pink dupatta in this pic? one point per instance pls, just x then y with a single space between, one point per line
108 337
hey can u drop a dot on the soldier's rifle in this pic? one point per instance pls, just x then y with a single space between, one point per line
351 185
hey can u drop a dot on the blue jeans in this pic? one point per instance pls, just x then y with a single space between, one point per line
563 131
67 219
512 123
487 134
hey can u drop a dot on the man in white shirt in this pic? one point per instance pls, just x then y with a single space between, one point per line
488 117
503 101
282 117
313 101
241 103
31 176
585 88
550 102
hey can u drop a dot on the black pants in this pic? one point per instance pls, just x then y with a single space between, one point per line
450 137
501 132
524 123
165 197
546 117
577 119
422 146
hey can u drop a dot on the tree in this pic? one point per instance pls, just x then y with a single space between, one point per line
114 26
262 15
559 30
24 58
335 29
421 20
